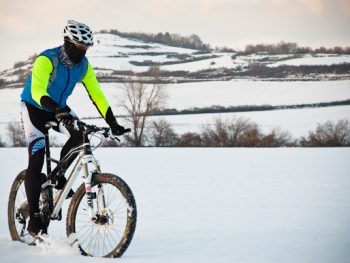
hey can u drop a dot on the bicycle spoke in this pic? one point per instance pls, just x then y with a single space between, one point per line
103 235
98 235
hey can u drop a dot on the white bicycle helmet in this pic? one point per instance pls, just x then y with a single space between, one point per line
78 33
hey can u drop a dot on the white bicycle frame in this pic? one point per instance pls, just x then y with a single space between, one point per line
83 162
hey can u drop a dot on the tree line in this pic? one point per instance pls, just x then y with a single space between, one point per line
237 132
247 108
292 48
242 132
192 42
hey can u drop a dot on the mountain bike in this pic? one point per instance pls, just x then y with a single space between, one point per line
101 216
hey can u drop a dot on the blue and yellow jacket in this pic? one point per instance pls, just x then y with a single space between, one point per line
50 77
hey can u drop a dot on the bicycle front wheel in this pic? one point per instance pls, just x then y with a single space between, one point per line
111 232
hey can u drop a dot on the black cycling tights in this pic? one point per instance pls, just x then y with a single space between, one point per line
33 179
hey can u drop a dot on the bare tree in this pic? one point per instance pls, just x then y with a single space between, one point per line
140 101
162 134
16 134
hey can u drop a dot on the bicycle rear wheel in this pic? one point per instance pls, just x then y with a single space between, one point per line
112 232
18 211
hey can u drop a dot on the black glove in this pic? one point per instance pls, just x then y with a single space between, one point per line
64 117
118 130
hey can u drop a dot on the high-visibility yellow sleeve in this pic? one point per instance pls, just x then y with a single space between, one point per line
41 71
93 88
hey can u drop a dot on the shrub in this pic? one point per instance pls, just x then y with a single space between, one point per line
250 137
277 138
190 139
329 134
226 134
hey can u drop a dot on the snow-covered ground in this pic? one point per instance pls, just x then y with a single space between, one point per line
298 121
247 92
312 60
225 93
204 94
215 205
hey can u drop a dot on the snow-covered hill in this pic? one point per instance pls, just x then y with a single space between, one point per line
117 53
115 58
215 205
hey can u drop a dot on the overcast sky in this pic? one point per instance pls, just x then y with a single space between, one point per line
30 26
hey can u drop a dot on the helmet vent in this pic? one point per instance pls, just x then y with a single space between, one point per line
78 33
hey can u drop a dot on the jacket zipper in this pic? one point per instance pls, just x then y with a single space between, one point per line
65 87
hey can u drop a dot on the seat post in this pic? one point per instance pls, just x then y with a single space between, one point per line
48 125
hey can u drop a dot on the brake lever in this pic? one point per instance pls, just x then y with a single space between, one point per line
112 136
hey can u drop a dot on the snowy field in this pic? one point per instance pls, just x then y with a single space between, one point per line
312 60
225 93
297 122
204 94
215 205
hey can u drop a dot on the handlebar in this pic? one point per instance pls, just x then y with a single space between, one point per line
89 128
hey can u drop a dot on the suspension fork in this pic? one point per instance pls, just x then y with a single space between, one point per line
88 178
101 203
87 159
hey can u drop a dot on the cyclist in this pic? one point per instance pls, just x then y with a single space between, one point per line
54 75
